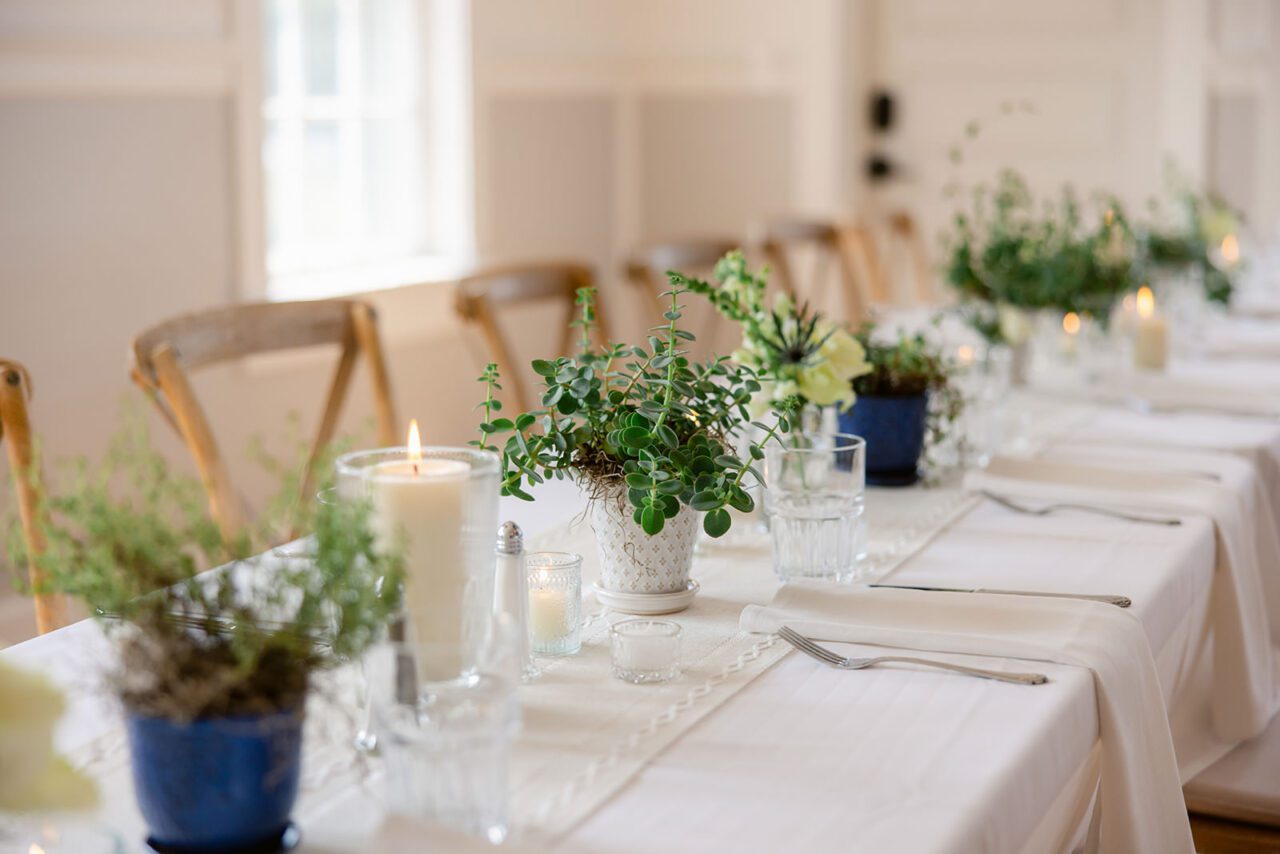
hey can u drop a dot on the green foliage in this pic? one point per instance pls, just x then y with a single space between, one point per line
793 349
131 538
1016 252
642 420
1204 221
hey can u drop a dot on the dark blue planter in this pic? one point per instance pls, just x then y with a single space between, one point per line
893 428
222 784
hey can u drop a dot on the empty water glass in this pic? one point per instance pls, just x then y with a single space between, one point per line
446 744
816 484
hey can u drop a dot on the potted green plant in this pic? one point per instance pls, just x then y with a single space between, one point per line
1011 257
649 436
1202 242
905 403
214 667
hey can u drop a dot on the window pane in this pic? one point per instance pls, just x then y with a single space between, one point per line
272 41
387 40
322 182
275 165
393 188
320 46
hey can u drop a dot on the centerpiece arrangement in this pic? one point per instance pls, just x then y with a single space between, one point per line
1203 242
905 404
799 355
1011 257
649 435
214 667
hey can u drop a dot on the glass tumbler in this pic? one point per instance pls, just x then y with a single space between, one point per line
817 483
555 602
446 745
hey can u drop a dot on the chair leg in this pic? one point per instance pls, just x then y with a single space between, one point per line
1222 836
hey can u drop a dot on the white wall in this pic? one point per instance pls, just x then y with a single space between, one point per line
599 125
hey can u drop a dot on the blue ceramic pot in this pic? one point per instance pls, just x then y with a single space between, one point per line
219 784
893 428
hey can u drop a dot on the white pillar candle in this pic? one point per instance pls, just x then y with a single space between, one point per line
549 614
1151 337
420 506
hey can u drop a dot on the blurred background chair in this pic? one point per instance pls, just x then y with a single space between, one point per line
647 272
15 431
909 241
1236 800
485 294
164 354
814 246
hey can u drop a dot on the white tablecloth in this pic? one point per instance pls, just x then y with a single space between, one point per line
814 759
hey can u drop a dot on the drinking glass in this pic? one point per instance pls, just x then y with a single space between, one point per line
447 744
816 484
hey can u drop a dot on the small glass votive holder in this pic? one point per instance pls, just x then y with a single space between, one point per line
645 650
555 602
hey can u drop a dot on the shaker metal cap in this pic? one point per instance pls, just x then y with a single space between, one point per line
510 539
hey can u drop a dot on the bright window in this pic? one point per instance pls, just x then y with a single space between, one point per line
347 131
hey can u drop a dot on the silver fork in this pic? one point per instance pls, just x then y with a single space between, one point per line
827 656
1010 504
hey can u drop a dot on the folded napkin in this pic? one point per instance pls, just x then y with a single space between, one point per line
1163 391
1244 341
1244 657
1140 797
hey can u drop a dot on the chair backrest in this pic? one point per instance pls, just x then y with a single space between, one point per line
165 353
647 271
859 243
15 430
482 294
783 239
903 228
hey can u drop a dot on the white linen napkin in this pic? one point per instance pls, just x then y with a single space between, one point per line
1244 657
1140 797
1163 391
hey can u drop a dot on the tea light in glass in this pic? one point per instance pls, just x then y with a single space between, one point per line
555 602
645 650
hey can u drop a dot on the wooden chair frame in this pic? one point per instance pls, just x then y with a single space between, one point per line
15 430
647 268
164 354
480 295
859 244
781 236
903 227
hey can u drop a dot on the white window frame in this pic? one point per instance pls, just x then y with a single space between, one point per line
443 31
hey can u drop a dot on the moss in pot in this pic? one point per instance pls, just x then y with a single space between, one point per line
904 405
213 669
648 435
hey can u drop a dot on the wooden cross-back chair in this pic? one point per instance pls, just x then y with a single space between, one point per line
859 245
164 355
903 228
481 295
15 432
783 238
647 272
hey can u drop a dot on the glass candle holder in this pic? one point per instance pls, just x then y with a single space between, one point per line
816 484
645 650
555 602
440 506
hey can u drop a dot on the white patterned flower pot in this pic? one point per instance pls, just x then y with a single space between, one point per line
631 561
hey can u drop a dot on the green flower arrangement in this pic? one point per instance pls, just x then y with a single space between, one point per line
132 539
1206 224
797 353
1012 252
642 424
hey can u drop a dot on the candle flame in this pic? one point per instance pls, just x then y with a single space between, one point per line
1109 217
964 353
1071 323
414 442
1146 302
35 849
1230 249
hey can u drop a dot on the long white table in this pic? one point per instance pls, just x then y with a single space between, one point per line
809 758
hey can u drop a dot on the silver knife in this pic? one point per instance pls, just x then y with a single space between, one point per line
1118 601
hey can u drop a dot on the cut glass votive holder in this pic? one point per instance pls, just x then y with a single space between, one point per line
645 650
555 602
